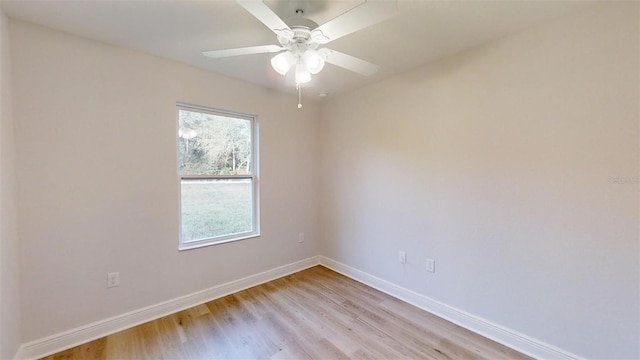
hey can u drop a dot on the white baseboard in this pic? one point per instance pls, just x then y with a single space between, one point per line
74 337
520 342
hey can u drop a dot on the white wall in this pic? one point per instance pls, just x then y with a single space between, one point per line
515 166
96 155
9 247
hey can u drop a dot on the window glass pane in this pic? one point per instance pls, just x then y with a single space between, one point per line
214 208
213 144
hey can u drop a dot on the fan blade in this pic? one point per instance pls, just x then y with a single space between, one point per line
243 51
358 18
349 62
262 12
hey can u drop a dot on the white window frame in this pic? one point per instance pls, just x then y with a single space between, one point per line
253 177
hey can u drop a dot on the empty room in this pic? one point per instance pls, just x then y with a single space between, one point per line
319 179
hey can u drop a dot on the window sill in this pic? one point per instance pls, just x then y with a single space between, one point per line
196 245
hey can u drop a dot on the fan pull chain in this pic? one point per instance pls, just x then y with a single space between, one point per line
299 96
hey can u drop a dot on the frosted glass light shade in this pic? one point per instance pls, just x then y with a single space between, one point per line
302 73
313 60
282 62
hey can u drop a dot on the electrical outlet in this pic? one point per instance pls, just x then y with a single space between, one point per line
431 265
402 257
113 279
301 237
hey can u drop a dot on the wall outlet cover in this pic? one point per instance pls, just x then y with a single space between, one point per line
431 265
113 279
402 257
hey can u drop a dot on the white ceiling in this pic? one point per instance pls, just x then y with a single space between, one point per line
422 31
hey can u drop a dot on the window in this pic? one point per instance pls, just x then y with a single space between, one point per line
218 176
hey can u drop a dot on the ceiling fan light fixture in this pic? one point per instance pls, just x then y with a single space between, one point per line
282 62
313 60
302 73
300 38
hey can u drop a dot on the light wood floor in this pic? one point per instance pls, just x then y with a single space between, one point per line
313 314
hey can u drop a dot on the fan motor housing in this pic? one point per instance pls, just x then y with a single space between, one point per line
301 33
300 23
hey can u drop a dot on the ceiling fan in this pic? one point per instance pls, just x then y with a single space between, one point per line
301 38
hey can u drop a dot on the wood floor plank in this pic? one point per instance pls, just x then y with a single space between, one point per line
366 334
205 337
277 329
318 322
312 314
372 342
313 342
91 350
